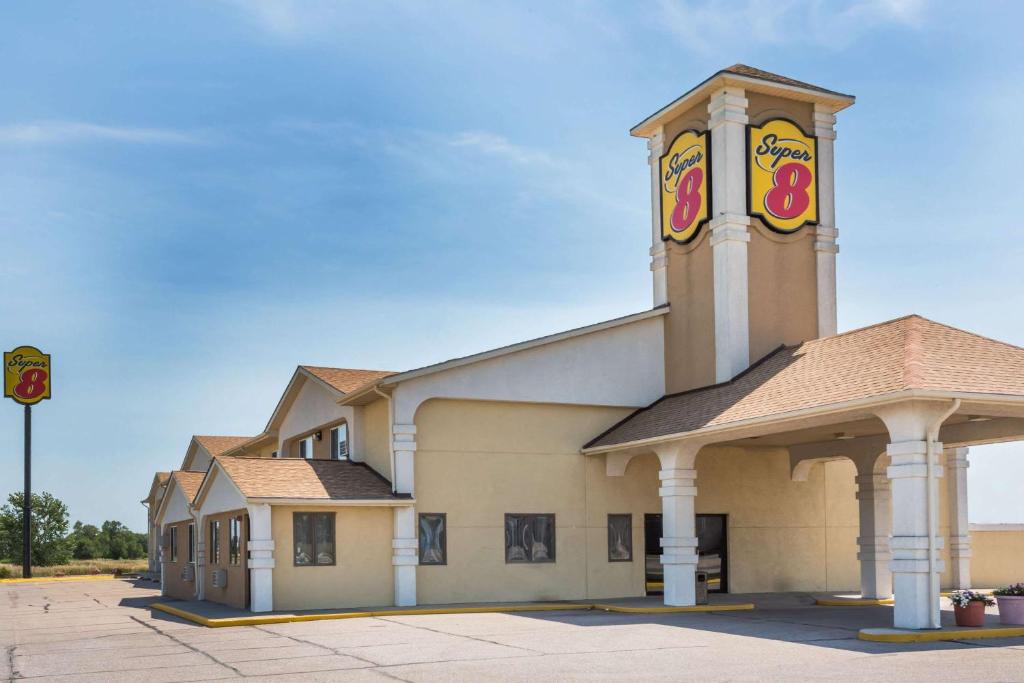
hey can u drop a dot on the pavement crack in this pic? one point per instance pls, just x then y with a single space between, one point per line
10 662
181 642
322 647
460 635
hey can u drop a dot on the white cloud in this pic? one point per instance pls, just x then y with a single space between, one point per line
498 146
50 132
706 25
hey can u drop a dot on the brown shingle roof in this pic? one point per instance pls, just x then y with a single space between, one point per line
300 478
218 444
188 482
162 477
907 353
345 379
760 74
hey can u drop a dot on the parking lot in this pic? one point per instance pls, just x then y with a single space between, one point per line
103 631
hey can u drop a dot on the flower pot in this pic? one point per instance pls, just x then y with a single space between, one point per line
972 615
1011 609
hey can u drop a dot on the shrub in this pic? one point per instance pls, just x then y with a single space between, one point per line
1014 590
964 598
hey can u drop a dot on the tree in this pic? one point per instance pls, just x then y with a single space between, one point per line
48 532
85 542
118 542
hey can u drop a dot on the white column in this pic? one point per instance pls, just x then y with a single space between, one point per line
659 251
679 523
825 246
261 558
959 531
729 231
875 501
405 549
200 557
162 551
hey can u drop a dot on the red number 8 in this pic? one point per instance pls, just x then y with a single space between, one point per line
688 200
32 384
788 197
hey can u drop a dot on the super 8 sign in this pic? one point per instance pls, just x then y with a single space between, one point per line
782 175
27 375
685 177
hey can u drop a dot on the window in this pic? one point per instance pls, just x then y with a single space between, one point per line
306 448
529 538
235 540
433 538
313 538
620 538
339 442
174 544
215 542
274 454
191 542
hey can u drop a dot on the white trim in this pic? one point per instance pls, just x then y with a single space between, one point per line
995 527
335 502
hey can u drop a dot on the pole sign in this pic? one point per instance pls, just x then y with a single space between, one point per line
782 175
27 375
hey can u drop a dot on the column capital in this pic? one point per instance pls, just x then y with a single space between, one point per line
728 105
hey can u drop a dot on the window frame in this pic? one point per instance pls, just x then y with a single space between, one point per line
336 441
215 541
235 541
312 534
629 535
444 538
529 518
173 549
191 543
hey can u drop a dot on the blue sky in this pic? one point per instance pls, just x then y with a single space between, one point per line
197 196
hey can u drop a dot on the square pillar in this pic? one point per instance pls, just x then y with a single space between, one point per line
659 257
261 559
874 499
825 247
200 556
959 532
405 557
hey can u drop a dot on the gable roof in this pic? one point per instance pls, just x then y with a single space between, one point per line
188 482
216 445
291 478
159 481
898 355
345 379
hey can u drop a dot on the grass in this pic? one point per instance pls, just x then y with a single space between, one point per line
78 568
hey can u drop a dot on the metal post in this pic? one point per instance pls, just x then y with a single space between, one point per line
26 544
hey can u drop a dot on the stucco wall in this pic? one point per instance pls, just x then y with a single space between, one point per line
477 461
371 442
362 575
174 585
235 593
997 557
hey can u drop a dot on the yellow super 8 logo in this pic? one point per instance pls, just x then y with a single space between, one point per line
27 375
782 175
685 177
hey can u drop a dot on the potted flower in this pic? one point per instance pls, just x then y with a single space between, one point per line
969 607
1011 604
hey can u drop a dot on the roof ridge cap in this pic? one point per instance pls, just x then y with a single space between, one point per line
913 353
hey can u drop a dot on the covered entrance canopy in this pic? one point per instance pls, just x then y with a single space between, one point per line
891 397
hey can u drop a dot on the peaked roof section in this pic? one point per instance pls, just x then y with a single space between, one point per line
159 481
291 478
902 354
188 482
345 379
216 445
761 74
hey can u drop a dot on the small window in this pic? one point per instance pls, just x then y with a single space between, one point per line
306 448
313 538
191 542
215 542
620 538
529 538
174 544
235 541
339 442
433 538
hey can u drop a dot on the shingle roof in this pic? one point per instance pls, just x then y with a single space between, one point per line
310 479
760 74
218 444
188 482
162 477
906 353
345 379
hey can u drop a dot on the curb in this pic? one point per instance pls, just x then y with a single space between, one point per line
889 635
853 602
43 579
539 607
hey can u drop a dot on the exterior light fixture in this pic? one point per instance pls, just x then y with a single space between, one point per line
319 436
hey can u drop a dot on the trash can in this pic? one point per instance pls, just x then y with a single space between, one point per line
702 588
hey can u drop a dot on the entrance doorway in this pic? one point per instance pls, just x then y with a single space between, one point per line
712 552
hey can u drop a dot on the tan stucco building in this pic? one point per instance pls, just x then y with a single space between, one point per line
727 431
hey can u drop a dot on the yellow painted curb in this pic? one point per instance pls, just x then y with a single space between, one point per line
42 579
496 609
885 635
852 602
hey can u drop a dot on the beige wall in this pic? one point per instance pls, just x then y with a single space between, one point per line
373 438
690 325
235 593
174 585
362 575
997 557
477 461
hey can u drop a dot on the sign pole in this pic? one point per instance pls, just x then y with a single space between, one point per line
26 545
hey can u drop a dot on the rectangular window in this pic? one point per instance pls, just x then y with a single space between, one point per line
433 538
339 442
529 538
306 448
235 541
174 544
215 542
620 538
313 538
191 542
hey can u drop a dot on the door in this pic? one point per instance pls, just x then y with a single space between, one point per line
712 552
